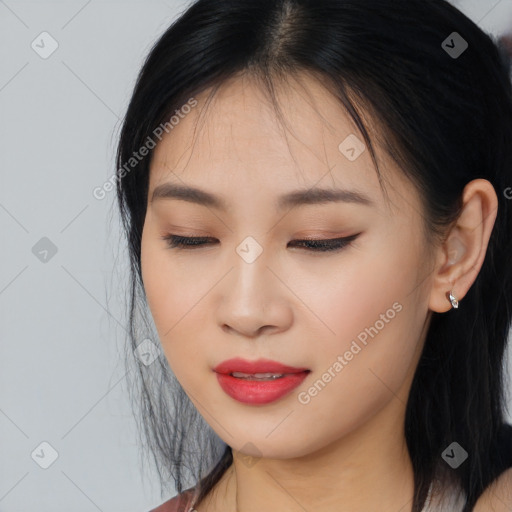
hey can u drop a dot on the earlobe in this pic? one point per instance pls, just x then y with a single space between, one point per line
461 256
445 292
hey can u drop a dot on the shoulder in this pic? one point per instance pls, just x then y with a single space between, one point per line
498 496
180 503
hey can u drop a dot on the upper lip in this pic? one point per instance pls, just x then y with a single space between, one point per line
259 366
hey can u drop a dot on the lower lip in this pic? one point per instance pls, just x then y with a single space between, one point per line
259 391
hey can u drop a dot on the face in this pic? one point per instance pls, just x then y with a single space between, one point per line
354 316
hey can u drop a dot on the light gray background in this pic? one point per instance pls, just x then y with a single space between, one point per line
62 380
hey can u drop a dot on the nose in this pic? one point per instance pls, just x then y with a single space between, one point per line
254 299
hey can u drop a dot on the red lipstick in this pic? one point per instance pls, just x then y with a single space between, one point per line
258 382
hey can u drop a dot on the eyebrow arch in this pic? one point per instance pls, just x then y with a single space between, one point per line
290 199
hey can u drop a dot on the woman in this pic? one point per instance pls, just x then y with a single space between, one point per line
333 338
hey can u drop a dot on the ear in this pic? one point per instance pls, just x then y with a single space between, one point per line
461 256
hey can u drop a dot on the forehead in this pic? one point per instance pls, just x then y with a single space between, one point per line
235 141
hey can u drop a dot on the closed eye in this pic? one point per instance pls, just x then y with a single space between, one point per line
316 245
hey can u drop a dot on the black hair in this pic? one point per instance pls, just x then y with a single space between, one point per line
445 119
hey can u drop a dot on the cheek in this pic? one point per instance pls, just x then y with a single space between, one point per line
174 300
350 294
372 314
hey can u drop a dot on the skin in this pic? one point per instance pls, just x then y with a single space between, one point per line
344 450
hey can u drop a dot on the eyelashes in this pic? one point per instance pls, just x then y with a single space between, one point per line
314 245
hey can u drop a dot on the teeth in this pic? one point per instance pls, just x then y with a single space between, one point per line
254 376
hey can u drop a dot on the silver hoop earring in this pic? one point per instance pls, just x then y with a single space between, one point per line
453 300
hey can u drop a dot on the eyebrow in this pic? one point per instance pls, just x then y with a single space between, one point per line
290 199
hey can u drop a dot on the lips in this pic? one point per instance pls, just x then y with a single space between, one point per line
253 367
258 382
